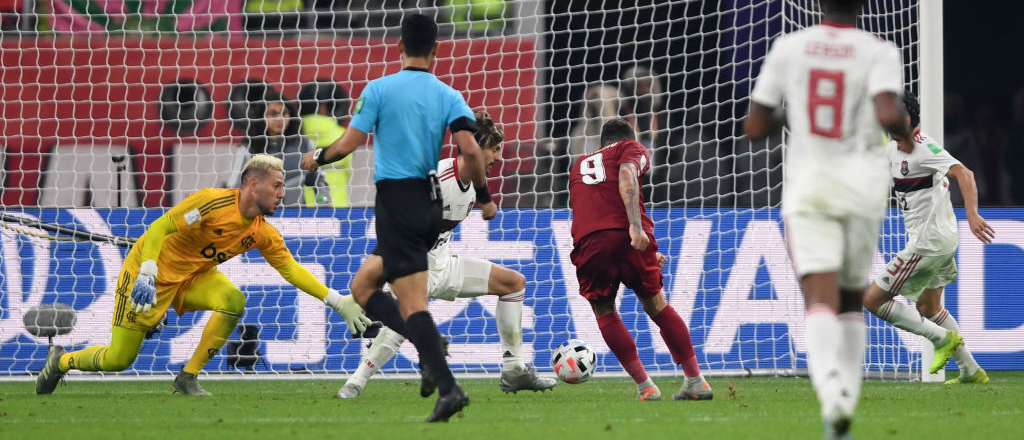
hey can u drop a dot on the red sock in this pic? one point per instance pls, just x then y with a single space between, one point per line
677 337
621 342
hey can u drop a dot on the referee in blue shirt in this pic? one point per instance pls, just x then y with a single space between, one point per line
408 112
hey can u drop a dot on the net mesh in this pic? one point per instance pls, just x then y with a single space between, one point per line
113 111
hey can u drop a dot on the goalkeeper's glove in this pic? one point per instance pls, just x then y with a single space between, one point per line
143 296
349 310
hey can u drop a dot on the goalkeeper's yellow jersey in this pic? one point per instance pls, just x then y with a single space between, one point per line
210 231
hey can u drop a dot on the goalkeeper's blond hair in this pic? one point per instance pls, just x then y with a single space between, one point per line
258 166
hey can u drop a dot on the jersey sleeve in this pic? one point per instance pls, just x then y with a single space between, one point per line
271 245
886 72
635 153
768 87
190 212
457 107
937 159
364 114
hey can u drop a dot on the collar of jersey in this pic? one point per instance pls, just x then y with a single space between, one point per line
458 180
417 69
837 25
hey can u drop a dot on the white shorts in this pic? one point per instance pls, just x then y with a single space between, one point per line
909 273
820 243
460 277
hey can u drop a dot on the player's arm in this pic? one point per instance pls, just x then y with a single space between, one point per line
280 258
965 180
885 86
763 120
892 116
143 294
629 190
342 147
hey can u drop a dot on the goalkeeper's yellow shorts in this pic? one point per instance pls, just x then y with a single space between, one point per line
166 295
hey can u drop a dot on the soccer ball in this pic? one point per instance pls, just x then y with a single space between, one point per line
574 361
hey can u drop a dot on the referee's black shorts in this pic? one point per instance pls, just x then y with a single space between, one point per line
408 224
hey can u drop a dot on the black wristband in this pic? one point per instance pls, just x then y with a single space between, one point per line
483 196
320 157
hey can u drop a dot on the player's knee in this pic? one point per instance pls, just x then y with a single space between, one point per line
602 308
118 360
653 305
874 298
233 302
927 309
517 283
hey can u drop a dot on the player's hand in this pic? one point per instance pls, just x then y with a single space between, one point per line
488 211
981 228
349 309
309 163
143 296
661 260
638 238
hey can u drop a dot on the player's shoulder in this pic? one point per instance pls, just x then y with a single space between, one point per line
927 143
214 199
445 165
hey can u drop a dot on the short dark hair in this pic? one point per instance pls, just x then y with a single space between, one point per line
419 35
324 92
616 130
913 108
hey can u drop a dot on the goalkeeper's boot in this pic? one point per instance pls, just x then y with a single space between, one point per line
427 382
51 373
979 377
943 352
512 382
449 404
694 390
350 391
188 384
648 394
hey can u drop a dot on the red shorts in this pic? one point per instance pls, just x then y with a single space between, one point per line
604 258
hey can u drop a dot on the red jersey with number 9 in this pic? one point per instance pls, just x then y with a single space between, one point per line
594 189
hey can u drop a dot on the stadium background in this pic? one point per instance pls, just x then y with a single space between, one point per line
93 95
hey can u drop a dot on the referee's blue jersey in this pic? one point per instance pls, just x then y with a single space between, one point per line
407 112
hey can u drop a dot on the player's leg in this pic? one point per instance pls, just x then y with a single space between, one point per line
930 304
213 291
128 330
816 245
479 277
383 348
595 258
909 274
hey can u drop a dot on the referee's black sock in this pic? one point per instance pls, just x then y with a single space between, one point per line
382 307
424 335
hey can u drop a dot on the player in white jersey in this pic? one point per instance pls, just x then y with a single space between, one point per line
841 86
453 276
921 271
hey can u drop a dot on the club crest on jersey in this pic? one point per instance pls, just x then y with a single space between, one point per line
904 168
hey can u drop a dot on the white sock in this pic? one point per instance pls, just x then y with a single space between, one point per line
384 347
851 357
962 355
509 316
905 317
823 340
647 384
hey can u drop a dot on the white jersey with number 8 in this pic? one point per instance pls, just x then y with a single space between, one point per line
828 75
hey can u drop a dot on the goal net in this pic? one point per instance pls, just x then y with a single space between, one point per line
114 111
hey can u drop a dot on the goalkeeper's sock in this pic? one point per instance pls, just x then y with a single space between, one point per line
384 308
215 334
823 337
384 347
424 335
964 358
89 359
677 338
509 316
851 356
622 344
905 317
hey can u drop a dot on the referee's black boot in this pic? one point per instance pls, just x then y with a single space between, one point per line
449 404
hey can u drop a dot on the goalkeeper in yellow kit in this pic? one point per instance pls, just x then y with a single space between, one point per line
175 262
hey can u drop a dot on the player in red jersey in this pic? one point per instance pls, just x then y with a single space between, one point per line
613 242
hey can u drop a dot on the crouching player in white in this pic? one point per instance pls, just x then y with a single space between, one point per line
920 271
453 276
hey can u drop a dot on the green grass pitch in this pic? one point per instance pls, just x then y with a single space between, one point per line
761 408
